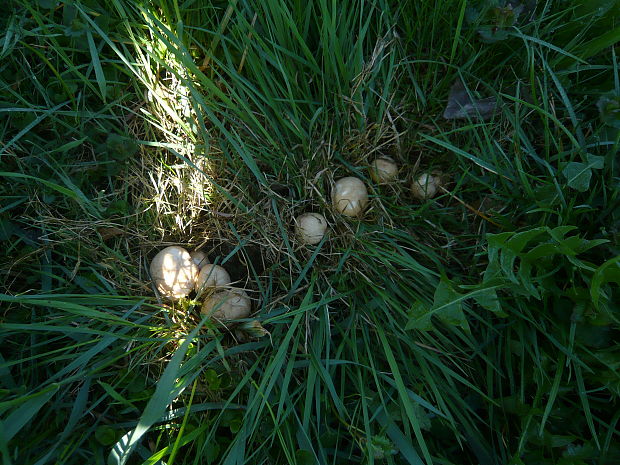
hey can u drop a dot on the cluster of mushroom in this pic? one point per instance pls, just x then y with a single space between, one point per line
350 197
176 273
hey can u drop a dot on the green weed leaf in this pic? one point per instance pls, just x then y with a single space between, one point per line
578 175
420 317
596 162
447 306
382 447
609 109
488 299
608 272
106 435
48 4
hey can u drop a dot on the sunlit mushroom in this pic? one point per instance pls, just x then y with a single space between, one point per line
174 272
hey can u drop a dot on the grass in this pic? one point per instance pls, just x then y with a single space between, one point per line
477 327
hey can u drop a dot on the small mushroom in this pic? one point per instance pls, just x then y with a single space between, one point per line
425 187
212 276
383 170
310 227
350 196
227 305
200 258
174 272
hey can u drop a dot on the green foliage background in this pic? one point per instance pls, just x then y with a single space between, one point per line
477 327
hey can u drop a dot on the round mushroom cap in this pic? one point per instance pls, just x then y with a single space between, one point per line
227 305
212 276
310 227
174 272
200 258
350 196
383 169
425 187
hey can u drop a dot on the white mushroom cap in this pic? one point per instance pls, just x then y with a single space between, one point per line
425 187
350 196
174 272
383 169
310 227
200 258
227 305
212 276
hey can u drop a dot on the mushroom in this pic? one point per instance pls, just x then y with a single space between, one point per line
212 276
350 196
310 227
227 305
174 272
200 258
425 187
383 170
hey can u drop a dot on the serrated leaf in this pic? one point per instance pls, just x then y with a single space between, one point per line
381 447
495 18
76 29
490 34
403 443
